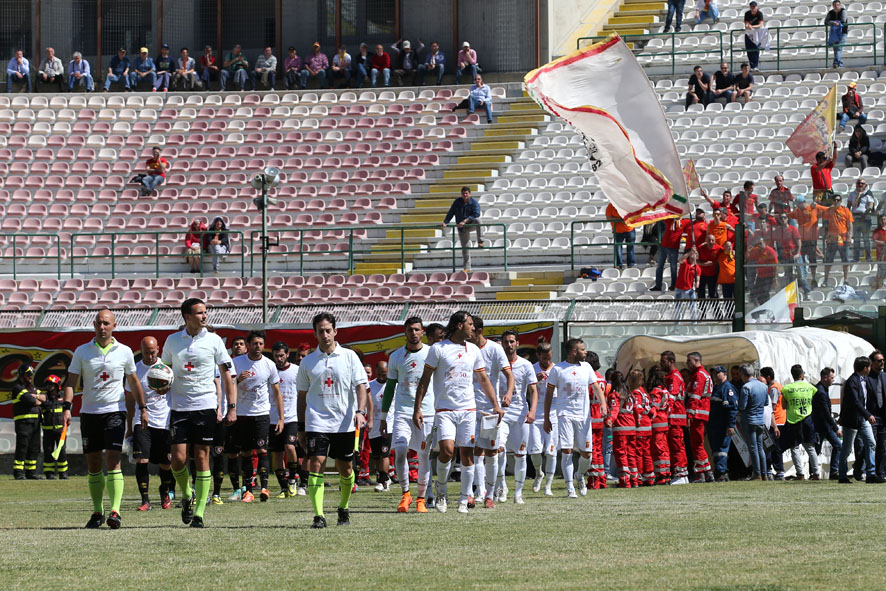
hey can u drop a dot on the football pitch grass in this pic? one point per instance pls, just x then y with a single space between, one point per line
742 535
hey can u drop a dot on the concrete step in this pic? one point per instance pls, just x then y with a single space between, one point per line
364 268
533 281
524 295
409 235
620 20
523 119
470 173
513 131
492 159
456 189
623 30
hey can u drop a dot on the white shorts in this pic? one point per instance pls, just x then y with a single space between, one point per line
406 434
456 425
514 436
541 442
574 434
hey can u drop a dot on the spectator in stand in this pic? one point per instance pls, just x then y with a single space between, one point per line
674 7
291 69
699 87
193 242
705 9
435 63
686 285
265 70
806 217
406 60
840 222
765 261
837 24
235 68
859 148
821 176
744 84
725 203
185 76
669 251
466 211
718 228
217 242
708 254
18 70
880 244
786 241
756 35
823 420
724 83
726 271
156 168
78 73
481 96
315 66
856 420
623 234
853 107
780 198
381 64
696 230
341 67
751 402
362 65
208 67
861 203
165 69
118 70
466 62
746 200
761 215
143 70
52 71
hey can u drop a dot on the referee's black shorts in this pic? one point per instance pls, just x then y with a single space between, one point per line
338 446
193 426
102 431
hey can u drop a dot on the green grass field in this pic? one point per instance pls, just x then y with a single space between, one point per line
791 535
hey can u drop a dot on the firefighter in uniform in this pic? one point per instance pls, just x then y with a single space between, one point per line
26 413
52 423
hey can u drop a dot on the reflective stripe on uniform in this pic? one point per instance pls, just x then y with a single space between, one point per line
630 428
673 416
27 416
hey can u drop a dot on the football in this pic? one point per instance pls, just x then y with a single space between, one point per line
160 376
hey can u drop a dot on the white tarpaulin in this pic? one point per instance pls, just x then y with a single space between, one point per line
603 92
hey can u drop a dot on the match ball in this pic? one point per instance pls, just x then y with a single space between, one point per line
160 376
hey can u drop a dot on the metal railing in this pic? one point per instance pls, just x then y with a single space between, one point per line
18 238
614 245
403 249
640 42
156 255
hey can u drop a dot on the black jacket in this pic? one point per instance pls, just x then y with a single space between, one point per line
221 234
873 405
822 413
853 411
24 405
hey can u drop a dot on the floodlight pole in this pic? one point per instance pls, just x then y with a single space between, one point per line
264 251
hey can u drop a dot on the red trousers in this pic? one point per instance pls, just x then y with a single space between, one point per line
624 448
661 455
597 466
696 442
679 467
644 457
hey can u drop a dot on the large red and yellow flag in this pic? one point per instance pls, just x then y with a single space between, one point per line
816 133
691 176
603 92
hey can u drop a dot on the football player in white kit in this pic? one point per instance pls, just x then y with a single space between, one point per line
496 362
573 381
284 458
543 445
405 368
454 363
519 415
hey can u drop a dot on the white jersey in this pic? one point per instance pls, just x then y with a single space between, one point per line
194 361
376 392
289 392
524 375
542 376
496 363
102 375
455 367
158 407
572 381
406 368
331 384
223 405
254 393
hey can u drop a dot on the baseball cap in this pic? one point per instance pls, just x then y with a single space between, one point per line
719 369
25 369
143 50
164 46
753 4
465 44
407 44
123 49
800 199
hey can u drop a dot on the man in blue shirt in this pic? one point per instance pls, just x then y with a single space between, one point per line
18 70
78 72
466 212
118 70
435 63
143 70
724 408
480 96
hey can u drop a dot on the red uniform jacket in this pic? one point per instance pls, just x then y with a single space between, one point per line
596 411
621 415
642 413
659 401
699 391
676 396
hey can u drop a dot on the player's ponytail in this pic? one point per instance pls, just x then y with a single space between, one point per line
543 346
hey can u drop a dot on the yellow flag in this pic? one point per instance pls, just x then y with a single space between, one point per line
816 132
691 176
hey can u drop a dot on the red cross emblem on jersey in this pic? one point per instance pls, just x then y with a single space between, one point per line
189 366
412 365
328 382
104 377
458 356
575 374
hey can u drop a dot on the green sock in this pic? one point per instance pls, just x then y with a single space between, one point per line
203 484
115 489
315 492
347 485
97 491
183 477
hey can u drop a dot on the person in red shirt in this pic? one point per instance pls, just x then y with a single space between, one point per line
643 419
725 203
695 232
707 261
786 241
764 275
780 197
381 64
155 176
676 388
621 421
669 250
623 234
821 176
686 286
193 244
746 200
698 407
661 408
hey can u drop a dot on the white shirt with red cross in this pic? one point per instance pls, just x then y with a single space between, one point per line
331 384
101 376
194 361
